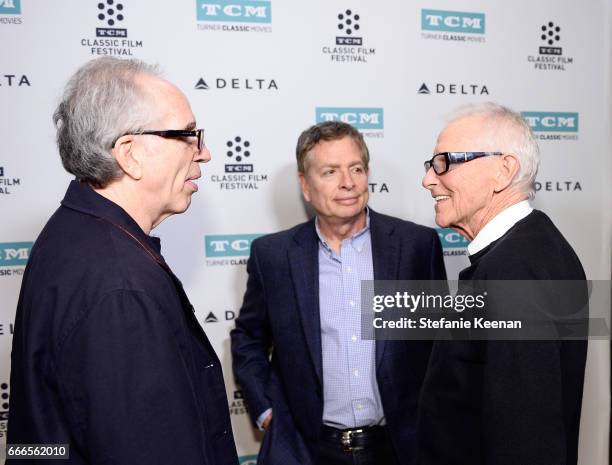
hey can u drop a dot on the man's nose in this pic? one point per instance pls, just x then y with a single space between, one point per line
430 180
202 156
347 181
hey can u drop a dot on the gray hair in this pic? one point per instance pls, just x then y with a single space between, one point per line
508 128
101 102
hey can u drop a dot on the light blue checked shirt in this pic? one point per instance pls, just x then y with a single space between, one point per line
350 390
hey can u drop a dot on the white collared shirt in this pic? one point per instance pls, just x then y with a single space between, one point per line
499 226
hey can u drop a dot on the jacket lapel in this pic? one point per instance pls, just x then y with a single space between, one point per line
385 258
304 266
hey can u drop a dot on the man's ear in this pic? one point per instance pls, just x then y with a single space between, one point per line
304 186
128 156
507 168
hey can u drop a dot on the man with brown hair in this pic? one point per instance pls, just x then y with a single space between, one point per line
325 396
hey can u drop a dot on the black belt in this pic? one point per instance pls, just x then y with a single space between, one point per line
349 439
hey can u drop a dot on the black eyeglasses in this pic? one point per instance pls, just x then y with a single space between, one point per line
174 134
441 162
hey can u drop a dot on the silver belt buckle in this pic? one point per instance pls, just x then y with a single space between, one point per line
347 439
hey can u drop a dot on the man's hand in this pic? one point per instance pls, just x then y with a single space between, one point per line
266 423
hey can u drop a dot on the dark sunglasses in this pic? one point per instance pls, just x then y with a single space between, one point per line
441 162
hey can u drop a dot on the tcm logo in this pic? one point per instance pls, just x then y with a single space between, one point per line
229 245
14 253
4 395
451 239
452 21
541 121
10 7
551 34
361 118
111 14
248 460
238 150
348 23
235 11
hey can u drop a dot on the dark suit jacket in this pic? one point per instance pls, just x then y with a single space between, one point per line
108 356
509 402
281 310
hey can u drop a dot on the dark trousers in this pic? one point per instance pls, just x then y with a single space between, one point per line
333 453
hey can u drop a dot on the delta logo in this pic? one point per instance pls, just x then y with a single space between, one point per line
234 15
7 330
237 84
453 89
229 315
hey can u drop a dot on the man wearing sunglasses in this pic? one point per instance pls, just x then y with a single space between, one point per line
496 401
108 356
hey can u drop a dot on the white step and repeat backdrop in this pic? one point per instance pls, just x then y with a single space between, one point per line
258 72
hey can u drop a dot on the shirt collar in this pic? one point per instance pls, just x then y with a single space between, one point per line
81 197
356 240
499 226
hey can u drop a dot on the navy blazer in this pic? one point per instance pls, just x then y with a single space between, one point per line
108 356
280 312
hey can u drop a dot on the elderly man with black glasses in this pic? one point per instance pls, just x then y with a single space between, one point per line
108 356
500 402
